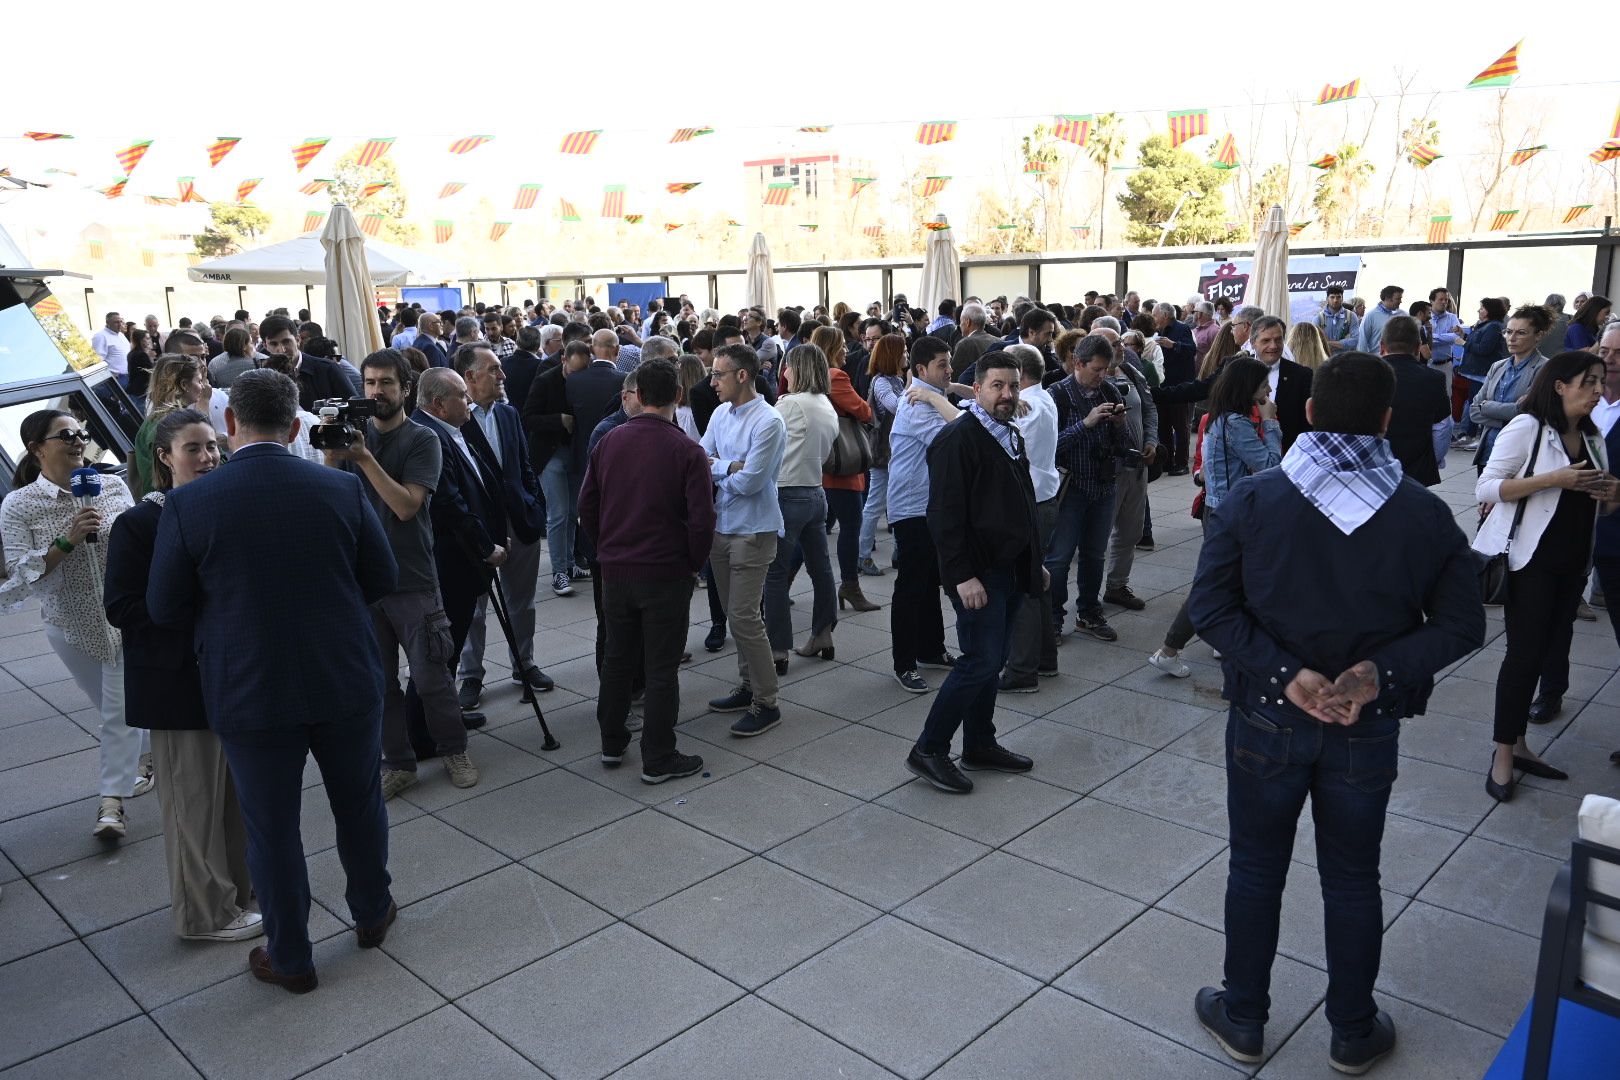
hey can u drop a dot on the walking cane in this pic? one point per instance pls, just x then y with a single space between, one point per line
497 597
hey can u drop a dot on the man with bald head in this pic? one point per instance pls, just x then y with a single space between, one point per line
429 331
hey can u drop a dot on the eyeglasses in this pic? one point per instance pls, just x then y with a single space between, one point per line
720 373
70 436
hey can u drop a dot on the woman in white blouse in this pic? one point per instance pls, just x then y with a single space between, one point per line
812 428
50 554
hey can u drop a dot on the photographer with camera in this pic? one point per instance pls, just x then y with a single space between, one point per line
398 463
1092 435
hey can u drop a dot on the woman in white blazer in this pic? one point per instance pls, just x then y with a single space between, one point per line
1561 494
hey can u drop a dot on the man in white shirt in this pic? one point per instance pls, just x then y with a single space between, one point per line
1034 641
113 347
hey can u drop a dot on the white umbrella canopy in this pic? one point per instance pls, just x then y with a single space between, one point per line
351 299
302 261
1268 285
942 270
759 290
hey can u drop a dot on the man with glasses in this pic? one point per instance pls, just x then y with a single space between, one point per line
745 442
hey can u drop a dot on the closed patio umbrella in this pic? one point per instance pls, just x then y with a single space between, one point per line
758 290
351 299
1268 287
942 270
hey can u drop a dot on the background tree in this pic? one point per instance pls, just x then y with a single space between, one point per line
349 184
1105 148
1040 149
1338 190
1154 189
230 228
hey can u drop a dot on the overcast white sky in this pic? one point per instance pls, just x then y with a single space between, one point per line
184 71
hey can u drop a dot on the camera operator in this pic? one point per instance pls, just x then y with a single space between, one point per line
399 464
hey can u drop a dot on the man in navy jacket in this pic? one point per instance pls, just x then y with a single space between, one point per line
287 670
1335 588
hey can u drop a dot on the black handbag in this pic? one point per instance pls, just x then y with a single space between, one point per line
1493 571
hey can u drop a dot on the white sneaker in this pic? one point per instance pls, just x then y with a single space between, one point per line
110 821
1170 665
249 924
145 777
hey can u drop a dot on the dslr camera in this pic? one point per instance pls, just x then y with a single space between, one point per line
342 422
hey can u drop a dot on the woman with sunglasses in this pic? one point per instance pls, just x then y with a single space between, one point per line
56 551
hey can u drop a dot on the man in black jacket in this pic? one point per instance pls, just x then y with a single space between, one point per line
981 516
1290 382
1421 401
1320 670
522 366
317 379
1180 365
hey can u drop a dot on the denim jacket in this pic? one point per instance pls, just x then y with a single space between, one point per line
1233 449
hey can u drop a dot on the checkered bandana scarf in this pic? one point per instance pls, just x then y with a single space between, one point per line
1347 477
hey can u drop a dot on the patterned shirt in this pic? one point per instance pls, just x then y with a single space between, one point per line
31 518
504 348
1088 453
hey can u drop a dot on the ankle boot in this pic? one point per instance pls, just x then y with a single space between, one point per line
820 645
850 593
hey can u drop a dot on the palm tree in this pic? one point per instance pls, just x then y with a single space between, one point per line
1105 147
1338 192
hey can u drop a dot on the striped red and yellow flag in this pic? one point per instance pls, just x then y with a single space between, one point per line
305 152
1423 155
1575 213
858 184
371 224
220 147
1297 227
315 187
1500 73
1186 124
130 156
1614 128
1082 231
567 211
245 188
468 144
613 200
1326 161
936 131
372 151
97 250
579 142
1607 152
733 223
450 189
635 219
160 200
816 128
688 134
116 188
148 257
1439 228
809 228
1503 219
442 230
933 185
1227 156
44 136
873 231
526 194
935 226
188 190
371 189
1073 128
48 306
1524 154
671 226
498 229
313 219
778 194
682 187
1332 93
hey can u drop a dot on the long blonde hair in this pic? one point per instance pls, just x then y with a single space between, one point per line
1222 348
1308 345
169 376
830 340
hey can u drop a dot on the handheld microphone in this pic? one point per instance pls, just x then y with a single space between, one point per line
86 487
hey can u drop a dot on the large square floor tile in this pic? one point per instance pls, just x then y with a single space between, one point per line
1119 849
444 1043
80 1001
759 808
635 861
878 856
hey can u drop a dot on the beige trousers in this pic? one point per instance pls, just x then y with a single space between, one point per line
204 840
739 562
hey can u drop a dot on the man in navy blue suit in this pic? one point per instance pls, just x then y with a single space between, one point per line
495 433
286 672
428 328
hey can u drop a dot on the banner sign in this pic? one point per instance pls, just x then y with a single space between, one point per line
1308 279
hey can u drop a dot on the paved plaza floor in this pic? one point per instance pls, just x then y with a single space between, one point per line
804 907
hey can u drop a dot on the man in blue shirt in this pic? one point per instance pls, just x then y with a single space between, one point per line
1372 327
1338 323
745 441
915 621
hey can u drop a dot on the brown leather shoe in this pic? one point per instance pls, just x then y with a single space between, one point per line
259 964
372 936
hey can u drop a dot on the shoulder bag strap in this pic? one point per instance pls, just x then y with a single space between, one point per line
1518 515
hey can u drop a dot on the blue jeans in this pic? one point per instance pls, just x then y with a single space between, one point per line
804 524
967 697
268 768
1083 524
560 515
877 503
1273 760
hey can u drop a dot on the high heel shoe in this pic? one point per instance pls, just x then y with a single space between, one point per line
1499 792
850 593
821 645
781 662
1532 767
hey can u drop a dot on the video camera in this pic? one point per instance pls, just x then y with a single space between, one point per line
341 422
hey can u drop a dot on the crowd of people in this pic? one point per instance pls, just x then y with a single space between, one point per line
1009 447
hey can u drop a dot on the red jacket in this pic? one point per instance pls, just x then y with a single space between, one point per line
846 402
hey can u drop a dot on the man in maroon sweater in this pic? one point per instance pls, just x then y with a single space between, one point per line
648 504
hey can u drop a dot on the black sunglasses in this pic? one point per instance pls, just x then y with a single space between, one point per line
70 436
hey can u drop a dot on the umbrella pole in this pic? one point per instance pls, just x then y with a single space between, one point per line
497 597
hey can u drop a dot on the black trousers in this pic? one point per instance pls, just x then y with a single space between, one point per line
1173 434
646 633
598 597
1539 614
915 619
1608 571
